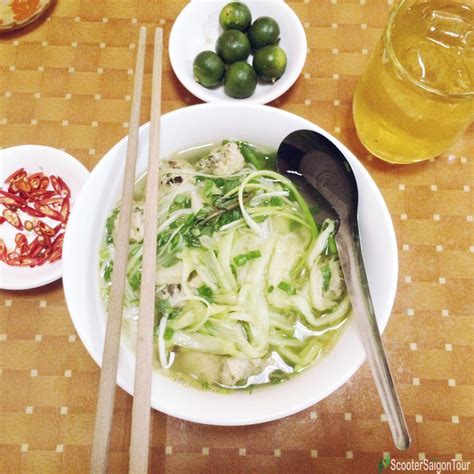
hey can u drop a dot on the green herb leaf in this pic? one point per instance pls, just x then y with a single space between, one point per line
164 308
242 259
206 293
331 248
168 333
277 376
211 188
326 271
287 288
181 201
108 271
249 155
276 201
135 280
109 226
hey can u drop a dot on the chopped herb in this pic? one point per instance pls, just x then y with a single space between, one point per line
211 188
168 333
257 158
287 288
181 201
227 217
249 155
276 201
314 209
294 225
326 271
164 308
206 293
331 248
270 288
108 271
135 280
277 376
109 226
242 259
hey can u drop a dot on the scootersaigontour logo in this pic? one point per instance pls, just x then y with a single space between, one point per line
426 465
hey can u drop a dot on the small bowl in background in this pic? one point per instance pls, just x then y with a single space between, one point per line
197 28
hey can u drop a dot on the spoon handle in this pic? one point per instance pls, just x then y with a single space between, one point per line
356 281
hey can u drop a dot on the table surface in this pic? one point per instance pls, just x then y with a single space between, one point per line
66 82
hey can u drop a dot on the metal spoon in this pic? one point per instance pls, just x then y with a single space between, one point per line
322 174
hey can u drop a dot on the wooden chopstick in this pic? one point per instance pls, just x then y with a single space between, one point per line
108 373
139 441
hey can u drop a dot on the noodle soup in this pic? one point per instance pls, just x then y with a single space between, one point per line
249 289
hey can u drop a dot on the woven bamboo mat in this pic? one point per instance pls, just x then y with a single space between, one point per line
67 83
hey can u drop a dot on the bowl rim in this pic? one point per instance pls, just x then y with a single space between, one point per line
273 93
230 419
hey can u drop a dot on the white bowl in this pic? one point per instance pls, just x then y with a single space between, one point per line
197 28
182 129
36 158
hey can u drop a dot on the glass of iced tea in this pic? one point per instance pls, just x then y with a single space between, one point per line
416 97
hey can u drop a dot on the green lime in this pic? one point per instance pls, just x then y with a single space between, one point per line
264 31
240 80
233 46
208 69
235 16
270 63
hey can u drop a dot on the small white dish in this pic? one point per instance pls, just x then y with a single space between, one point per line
36 158
180 130
197 28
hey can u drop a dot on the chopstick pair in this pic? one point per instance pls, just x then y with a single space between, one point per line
139 441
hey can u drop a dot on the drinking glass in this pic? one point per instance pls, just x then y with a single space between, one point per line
416 97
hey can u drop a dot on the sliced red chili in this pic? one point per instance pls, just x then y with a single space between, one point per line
35 248
9 202
52 201
3 250
41 228
35 179
44 182
12 188
58 240
55 255
17 174
32 212
30 194
23 185
48 212
65 191
55 184
31 261
12 218
12 255
10 199
40 194
21 244
65 210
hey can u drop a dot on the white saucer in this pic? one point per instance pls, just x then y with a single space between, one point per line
36 158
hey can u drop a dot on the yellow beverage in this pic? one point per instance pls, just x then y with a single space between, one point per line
416 96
